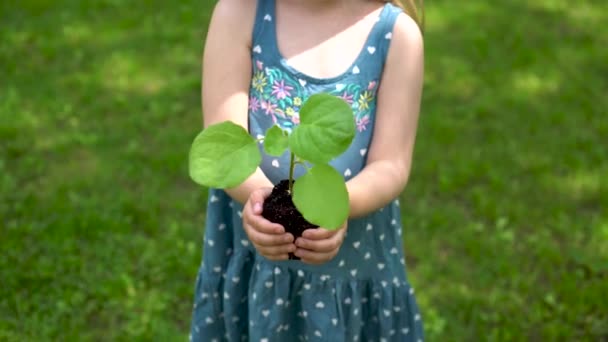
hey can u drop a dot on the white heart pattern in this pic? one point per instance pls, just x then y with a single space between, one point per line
356 70
222 226
302 82
371 50
389 35
380 266
214 199
353 272
347 173
268 17
369 227
363 151
257 49
356 244
275 163
340 86
266 313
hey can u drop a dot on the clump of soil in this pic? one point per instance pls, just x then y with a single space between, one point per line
279 208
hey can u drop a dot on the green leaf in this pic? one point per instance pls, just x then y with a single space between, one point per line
321 196
326 130
275 141
223 156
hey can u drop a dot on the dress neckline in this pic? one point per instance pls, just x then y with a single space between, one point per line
353 68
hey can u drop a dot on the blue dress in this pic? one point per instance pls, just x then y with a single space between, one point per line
363 294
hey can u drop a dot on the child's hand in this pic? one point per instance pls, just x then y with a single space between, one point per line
318 246
269 239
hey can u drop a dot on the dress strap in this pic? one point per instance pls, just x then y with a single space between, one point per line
263 29
384 32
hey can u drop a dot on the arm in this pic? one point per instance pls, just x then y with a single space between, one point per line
390 155
227 76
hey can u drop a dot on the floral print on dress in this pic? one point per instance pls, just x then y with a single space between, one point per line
277 94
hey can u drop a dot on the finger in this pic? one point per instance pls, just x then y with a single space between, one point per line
259 223
264 239
313 258
318 233
320 246
257 197
276 250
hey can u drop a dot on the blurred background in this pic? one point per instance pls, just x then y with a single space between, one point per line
506 212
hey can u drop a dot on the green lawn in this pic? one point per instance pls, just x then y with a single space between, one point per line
505 213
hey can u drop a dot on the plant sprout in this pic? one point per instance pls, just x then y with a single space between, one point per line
224 155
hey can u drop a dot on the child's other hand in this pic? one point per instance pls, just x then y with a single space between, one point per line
269 239
318 246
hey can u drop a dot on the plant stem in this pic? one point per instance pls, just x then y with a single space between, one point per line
292 166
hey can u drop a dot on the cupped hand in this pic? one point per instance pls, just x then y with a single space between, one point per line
269 239
320 245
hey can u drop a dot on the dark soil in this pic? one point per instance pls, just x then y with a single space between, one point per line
279 208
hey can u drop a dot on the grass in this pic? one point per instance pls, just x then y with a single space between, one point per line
506 227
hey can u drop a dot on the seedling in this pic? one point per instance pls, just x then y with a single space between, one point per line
224 155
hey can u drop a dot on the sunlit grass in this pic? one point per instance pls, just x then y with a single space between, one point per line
505 223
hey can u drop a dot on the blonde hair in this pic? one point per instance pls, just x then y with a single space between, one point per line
414 8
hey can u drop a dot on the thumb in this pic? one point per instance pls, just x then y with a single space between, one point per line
257 199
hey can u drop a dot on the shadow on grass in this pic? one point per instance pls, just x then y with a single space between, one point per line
504 220
101 224
505 231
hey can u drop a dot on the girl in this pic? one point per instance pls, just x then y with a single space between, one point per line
262 60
